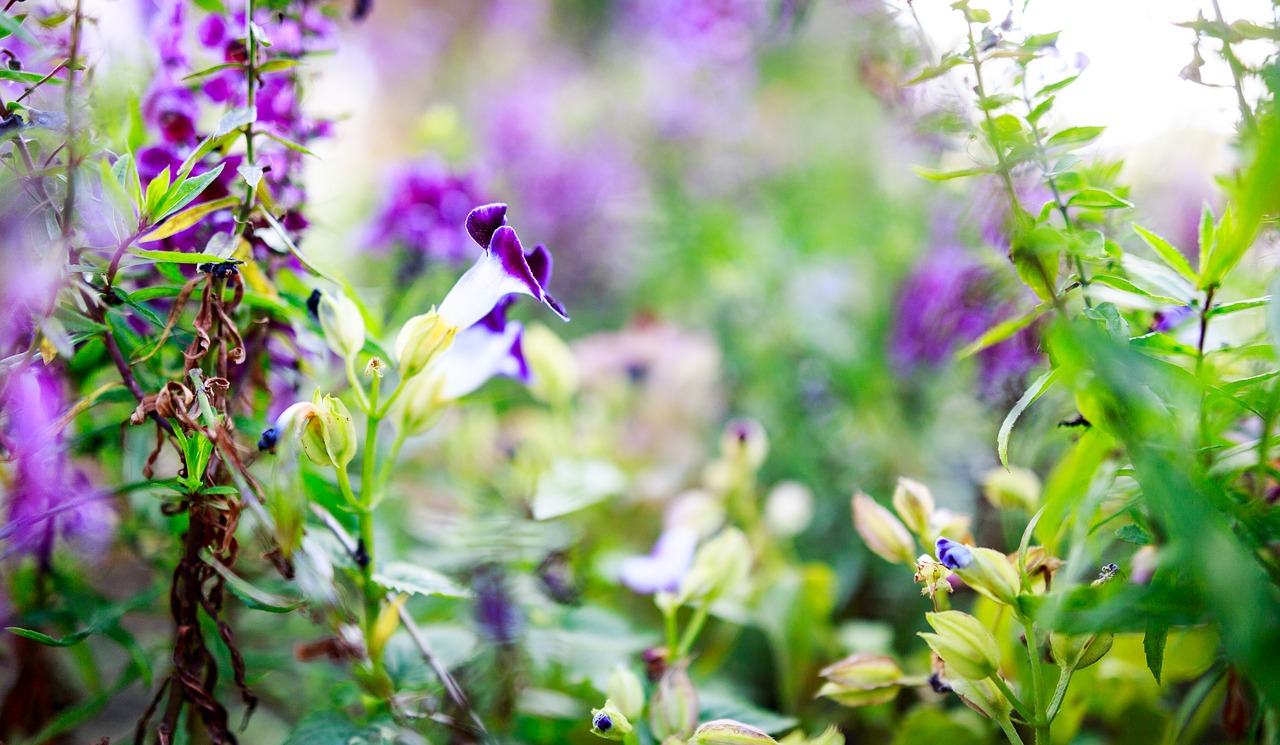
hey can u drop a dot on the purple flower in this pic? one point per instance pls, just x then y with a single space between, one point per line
953 555
1167 319
666 564
171 109
501 270
48 499
496 612
212 31
168 27
426 204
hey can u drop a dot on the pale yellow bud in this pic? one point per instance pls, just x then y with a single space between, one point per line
328 433
914 503
1016 488
554 368
721 568
673 708
609 722
861 680
342 324
1079 652
964 644
729 732
626 690
421 403
385 625
992 574
422 339
883 533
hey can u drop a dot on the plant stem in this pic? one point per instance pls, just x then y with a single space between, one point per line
1037 684
1018 706
251 80
669 619
1064 680
368 496
693 629
1010 732
1237 73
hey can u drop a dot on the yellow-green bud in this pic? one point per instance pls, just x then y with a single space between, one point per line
984 697
744 443
610 723
342 324
626 690
1016 488
721 567
992 574
421 403
1079 652
673 707
829 736
914 503
964 644
552 364
883 533
328 435
384 626
861 680
421 340
729 732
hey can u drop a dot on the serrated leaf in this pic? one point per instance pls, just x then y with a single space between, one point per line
187 218
1134 534
1037 389
402 576
1170 255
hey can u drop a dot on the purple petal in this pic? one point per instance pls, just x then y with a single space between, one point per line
478 355
953 555
665 566
484 221
540 264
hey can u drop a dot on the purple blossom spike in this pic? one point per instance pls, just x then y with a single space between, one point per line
425 204
501 270
665 565
953 555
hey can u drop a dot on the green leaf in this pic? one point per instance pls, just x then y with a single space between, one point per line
1120 283
287 143
1052 87
235 119
26 78
251 596
1037 389
993 102
569 485
1237 306
70 640
932 175
331 729
1170 255
13 26
947 63
187 218
175 257
1074 137
156 190
1132 533
1153 645
184 193
215 69
1112 322
1002 331
400 576
276 65
1098 199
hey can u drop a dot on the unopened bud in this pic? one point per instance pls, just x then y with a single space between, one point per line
914 503
385 625
721 567
861 680
1016 488
1079 652
552 364
744 442
625 690
421 340
610 723
788 509
987 571
984 697
421 403
729 732
829 736
964 644
883 533
342 323
328 435
673 708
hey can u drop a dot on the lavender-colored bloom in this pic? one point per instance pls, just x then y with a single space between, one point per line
168 27
171 109
48 499
717 29
426 204
496 612
1167 319
666 564
213 32
953 555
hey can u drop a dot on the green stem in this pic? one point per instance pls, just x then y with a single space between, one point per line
361 399
1237 73
693 629
344 484
368 498
384 476
1059 692
1037 683
386 405
669 619
1018 706
251 82
1010 732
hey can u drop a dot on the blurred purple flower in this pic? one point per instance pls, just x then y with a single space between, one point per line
167 32
665 565
172 110
425 207
496 613
717 29
47 499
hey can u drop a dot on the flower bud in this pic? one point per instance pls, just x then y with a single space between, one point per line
788 509
953 525
1079 652
721 567
829 736
626 691
328 435
609 722
883 533
1040 567
861 680
552 364
983 697
342 323
987 571
964 644
673 707
914 503
744 442
729 732
421 403
384 626
421 340
1016 488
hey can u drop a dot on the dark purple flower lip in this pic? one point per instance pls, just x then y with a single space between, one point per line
953 555
603 722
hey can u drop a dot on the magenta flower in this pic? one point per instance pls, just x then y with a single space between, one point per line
426 205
